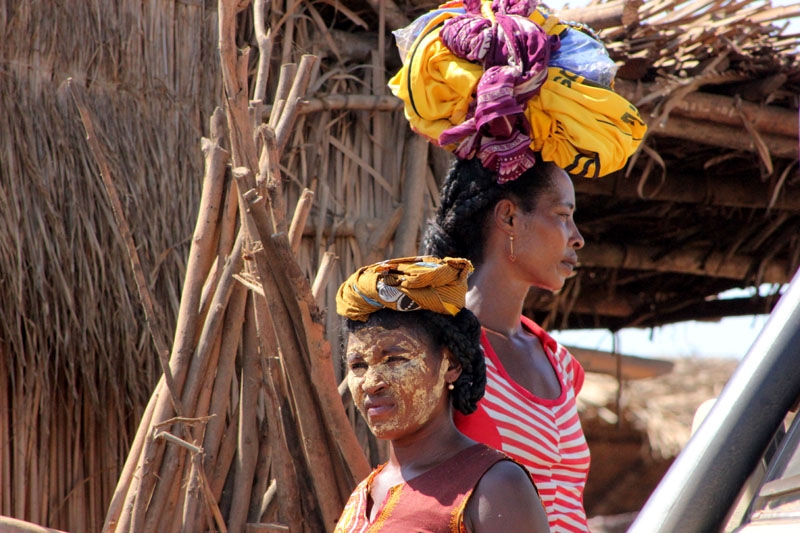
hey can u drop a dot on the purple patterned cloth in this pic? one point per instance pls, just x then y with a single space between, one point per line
514 52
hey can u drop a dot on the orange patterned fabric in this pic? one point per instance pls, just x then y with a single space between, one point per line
405 284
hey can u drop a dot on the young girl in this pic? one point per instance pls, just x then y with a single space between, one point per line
413 354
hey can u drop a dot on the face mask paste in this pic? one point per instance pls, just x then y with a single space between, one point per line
398 375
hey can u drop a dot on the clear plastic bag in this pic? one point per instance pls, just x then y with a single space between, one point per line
405 37
583 54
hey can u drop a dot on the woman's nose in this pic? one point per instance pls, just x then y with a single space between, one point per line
373 381
576 239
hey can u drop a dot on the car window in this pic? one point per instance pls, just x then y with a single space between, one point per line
780 493
778 498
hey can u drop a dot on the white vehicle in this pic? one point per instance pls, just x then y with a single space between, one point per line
740 472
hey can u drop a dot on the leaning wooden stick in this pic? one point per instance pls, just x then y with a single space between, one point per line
150 313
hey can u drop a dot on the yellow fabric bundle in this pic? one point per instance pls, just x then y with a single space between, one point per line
587 130
405 284
582 127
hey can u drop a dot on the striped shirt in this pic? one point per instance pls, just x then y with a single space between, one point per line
544 435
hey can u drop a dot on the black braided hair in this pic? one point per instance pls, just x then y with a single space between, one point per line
460 333
469 193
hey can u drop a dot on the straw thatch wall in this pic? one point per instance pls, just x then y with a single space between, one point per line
78 363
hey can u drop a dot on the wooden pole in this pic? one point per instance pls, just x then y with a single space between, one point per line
247 444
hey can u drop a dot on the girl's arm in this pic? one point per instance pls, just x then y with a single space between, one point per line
505 500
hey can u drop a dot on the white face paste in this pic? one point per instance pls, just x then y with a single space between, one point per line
396 380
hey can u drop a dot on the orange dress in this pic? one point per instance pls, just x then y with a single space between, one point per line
433 501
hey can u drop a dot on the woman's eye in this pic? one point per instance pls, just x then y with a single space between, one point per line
357 366
396 359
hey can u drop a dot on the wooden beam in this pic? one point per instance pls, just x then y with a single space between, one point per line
592 303
393 15
706 190
709 311
603 16
723 136
721 109
771 121
698 262
630 367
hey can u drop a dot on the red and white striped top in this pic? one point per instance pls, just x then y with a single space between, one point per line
544 435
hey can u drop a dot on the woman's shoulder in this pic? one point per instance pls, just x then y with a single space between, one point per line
565 363
506 499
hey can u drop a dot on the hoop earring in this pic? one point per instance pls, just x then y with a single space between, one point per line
511 256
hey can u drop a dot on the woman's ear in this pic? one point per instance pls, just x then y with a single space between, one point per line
453 366
503 214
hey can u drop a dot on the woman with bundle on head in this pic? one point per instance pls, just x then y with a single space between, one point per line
521 98
413 354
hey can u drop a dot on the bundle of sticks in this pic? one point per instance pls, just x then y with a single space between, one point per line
246 430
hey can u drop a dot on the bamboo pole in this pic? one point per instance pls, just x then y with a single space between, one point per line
270 174
227 450
172 460
293 351
178 498
301 212
220 396
264 457
287 73
308 64
194 492
284 468
247 445
324 273
132 464
602 16
264 40
406 236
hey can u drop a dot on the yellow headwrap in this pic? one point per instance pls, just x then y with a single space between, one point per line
582 127
405 284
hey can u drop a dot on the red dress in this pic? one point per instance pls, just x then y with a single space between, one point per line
433 501
544 435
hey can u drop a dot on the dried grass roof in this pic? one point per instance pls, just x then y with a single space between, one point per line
661 408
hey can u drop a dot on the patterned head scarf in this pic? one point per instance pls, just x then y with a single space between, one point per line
405 284
503 80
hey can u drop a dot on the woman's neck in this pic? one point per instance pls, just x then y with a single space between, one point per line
413 456
496 300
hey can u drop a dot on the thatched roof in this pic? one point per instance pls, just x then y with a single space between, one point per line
636 428
662 407
710 202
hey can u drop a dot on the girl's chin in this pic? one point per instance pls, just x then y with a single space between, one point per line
552 286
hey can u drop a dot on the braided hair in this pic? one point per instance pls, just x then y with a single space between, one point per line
469 194
460 333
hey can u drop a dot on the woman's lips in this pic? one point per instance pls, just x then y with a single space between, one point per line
376 408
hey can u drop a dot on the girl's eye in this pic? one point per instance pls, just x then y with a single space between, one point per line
396 359
358 365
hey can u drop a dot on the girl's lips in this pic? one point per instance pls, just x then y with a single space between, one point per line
373 408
